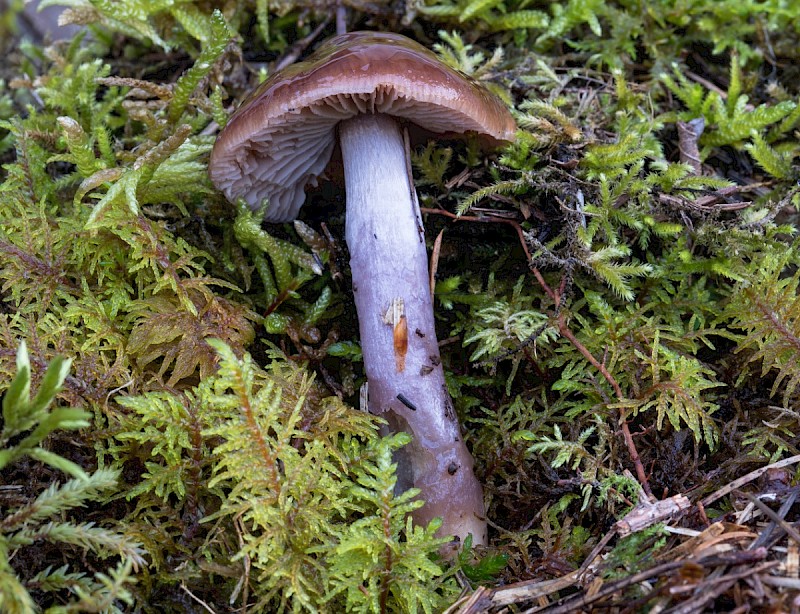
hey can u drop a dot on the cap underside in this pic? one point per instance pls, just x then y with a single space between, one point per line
283 136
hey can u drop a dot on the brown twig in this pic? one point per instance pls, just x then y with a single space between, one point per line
580 602
764 538
688 137
769 513
626 431
194 597
646 514
535 589
478 601
498 220
753 475
300 46
713 588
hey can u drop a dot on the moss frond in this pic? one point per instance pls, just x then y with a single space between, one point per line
26 423
766 308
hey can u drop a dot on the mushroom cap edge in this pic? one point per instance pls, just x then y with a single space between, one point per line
282 136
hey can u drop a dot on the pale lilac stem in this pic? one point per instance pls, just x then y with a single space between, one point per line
389 265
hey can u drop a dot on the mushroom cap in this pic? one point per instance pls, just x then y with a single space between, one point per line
282 136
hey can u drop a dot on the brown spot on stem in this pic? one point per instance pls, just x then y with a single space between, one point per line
400 343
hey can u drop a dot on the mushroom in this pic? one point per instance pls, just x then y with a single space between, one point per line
359 89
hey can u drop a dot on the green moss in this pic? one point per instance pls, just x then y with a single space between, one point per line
49 518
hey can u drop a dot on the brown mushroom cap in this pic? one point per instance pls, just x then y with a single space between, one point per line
282 136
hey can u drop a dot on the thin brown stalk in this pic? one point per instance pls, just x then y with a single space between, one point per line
626 431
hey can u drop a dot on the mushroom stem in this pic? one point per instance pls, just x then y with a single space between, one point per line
389 265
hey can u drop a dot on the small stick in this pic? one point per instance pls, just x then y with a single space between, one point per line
299 47
202 603
513 224
581 602
767 511
626 431
766 534
688 135
753 475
